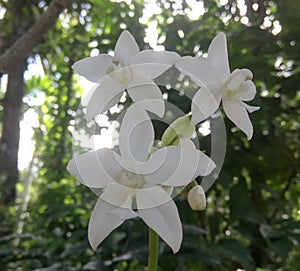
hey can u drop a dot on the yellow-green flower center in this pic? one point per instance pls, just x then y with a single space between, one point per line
130 180
121 74
229 93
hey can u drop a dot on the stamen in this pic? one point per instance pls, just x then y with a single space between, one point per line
116 62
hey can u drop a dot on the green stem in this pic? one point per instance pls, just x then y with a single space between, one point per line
153 250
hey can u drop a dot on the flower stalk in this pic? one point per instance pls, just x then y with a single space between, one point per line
153 250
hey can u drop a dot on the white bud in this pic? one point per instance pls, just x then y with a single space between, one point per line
196 198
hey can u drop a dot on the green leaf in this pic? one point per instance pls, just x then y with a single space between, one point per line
281 246
242 206
232 249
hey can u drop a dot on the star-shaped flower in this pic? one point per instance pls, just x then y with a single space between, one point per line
135 182
213 75
129 69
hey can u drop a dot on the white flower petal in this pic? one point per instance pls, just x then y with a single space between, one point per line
250 108
125 213
177 165
238 114
93 68
185 142
200 70
136 134
205 165
148 94
105 95
217 54
163 219
238 76
131 165
204 104
102 223
151 197
88 94
125 48
116 195
151 64
246 91
96 168
154 57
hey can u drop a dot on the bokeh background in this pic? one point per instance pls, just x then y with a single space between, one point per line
252 221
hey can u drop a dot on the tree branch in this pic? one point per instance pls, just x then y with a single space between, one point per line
23 46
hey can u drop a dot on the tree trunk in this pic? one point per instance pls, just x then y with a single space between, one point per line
13 62
9 143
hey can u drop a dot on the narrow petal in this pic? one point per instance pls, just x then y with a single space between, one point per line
178 165
136 134
151 64
148 95
102 223
200 70
238 114
204 104
96 168
205 165
250 108
125 48
105 95
218 55
163 219
93 68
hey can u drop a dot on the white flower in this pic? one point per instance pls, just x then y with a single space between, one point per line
128 69
213 75
134 182
196 198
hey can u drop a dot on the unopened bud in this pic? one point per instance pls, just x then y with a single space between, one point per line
196 198
181 127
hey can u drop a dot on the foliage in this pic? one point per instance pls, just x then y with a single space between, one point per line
252 220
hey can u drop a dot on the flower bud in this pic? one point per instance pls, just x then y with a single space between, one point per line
196 198
181 127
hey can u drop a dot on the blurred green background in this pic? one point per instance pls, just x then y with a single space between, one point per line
252 221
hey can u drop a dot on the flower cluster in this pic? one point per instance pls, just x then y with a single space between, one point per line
139 180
